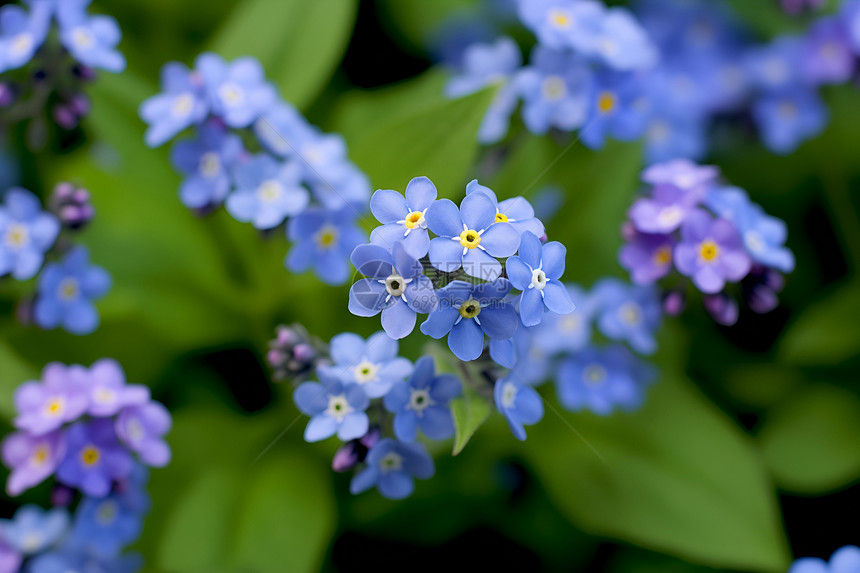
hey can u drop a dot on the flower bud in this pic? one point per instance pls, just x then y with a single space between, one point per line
722 308
72 205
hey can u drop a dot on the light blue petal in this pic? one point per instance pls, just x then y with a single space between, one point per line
478 211
311 398
319 428
499 321
346 348
364 480
388 206
367 298
354 426
406 426
420 193
501 240
437 423
466 340
443 218
445 254
439 323
479 264
531 250
529 405
519 273
531 307
556 298
554 254
372 261
398 320
396 485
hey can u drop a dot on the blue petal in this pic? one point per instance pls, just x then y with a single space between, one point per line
424 373
479 264
437 423
421 296
439 323
553 259
346 348
397 398
388 235
446 387
311 398
501 240
319 428
492 291
529 405
395 485
478 211
517 208
417 243
372 261
416 460
364 480
407 266
556 298
388 206
445 254
502 352
398 320
81 318
406 426
531 307
367 298
499 322
354 426
420 193
466 340
519 273
474 186
443 218
380 348
531 250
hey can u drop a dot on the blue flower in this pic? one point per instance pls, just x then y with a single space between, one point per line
567 333
468 312
104 527
776 66
323 240
563 24
844 560
423 402
33 529
72 559
519 403
207 161
532 361
517 210
391 467
90 40
267 192
630 313
622 43
485 65
21 34
372 364
555 89
282 129
403 219
672 136
181 104
66 292
616 109
334 408
238 91
396 288
602 379
26 232
827 53
470 237
763 235
537 272
680 87
786 119
94 458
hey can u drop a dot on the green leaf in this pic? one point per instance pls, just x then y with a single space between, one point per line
438 141
826 332
677 477
299 43
13 372
811 442
470 411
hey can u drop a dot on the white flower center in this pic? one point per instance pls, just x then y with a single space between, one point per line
31 542
68 289
270 191
182 105
83 38
338 407
509 394
570 323
231 94
210 164
135 430
391 462
754 241
18 236
105 396
553 88
594 375
630 313
670 216
395 285
539 279
365 372
21 44
419 400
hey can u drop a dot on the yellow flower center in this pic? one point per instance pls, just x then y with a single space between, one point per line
470 309
90 455
414 219
69 289
501 218
553 88
606 102
663 255
54 407
326 237
709 250
470 239
17 236
40 456
594 375
560 19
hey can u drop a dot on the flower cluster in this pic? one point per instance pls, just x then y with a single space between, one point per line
48 51
289 171
844 560
596 70
457 277
583 73
711 233
66 287
85 425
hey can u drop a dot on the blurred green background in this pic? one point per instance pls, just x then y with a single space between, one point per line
746 453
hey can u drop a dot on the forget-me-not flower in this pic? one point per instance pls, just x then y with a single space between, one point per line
34 529
207 162
404 218
238 91
182 103
267 192
91 40
537 271
372 364
844 560
334 408
519 403
711 252
788 118
94 458
564 24
323 240
423 402
391 467
555 89
26 232
31 458
62 396
517 210
630 313
142 428
21 34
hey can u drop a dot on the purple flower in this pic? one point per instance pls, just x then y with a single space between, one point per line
648 257
681 173
26 232
31 458
711 252
665 211
827 54
66 292
94 458
108 391
238 91
403 219
397 288
519 403
267 192
62 397
142 428
181 104
517 210
10 560
423 402
470 237
207 161
91 40
468 312
372 364
391 465
334 408
537 273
